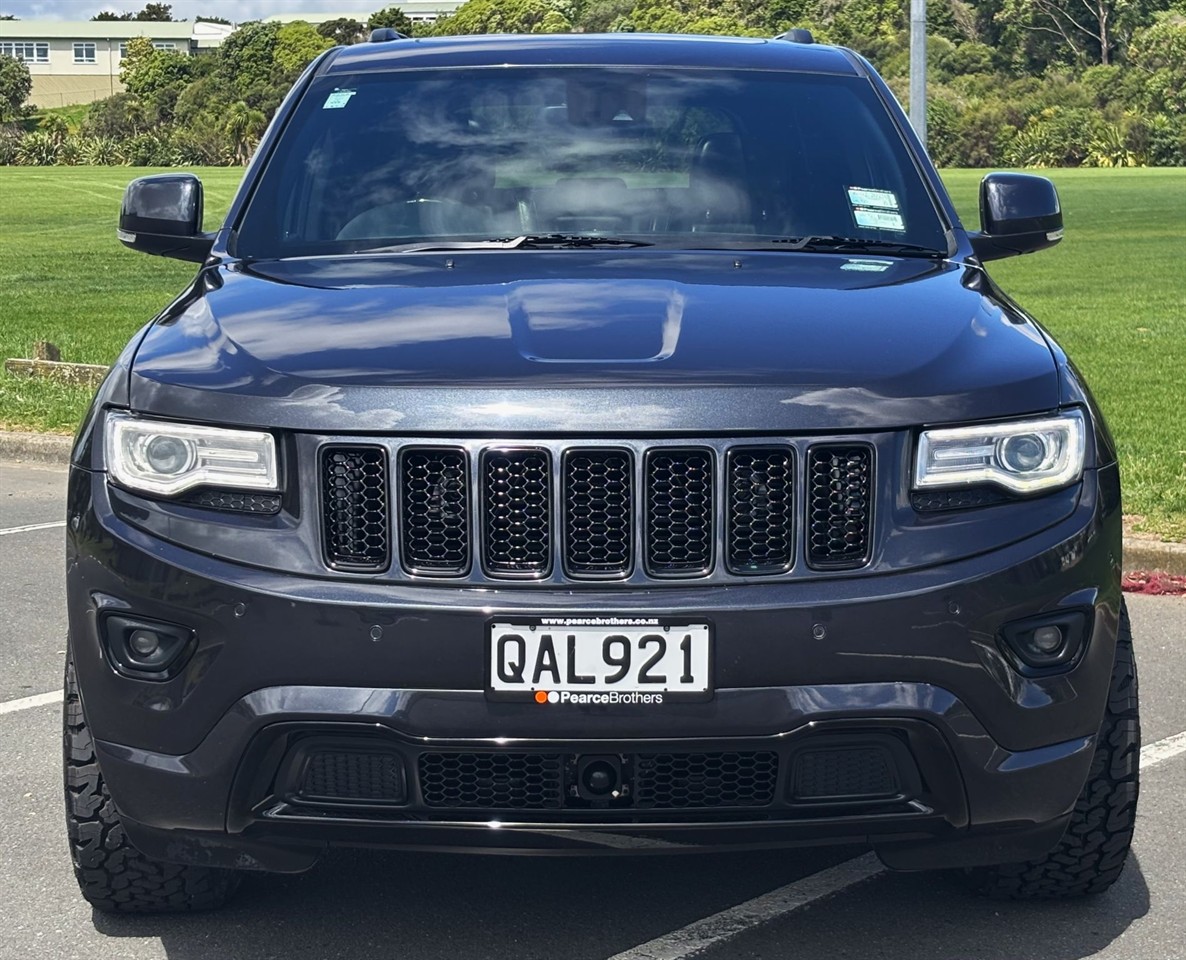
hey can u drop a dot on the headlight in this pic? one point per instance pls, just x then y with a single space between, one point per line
156 456
1024 456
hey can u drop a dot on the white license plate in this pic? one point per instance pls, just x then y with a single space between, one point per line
595 660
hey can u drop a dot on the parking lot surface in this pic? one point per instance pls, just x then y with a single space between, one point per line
823 904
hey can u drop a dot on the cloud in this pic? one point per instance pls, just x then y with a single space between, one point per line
238 10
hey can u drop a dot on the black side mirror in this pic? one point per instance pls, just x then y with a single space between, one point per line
1019 213
162 215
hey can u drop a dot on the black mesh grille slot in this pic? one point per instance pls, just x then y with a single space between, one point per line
517 495
930 501
598 498
354 496
354 775
514 781
679 512
761 509
434 510
233 501
839 505
674 780
843 773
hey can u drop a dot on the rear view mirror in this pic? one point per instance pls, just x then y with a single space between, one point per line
162 215
1019 213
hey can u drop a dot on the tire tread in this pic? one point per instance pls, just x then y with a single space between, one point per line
113 876
1092 853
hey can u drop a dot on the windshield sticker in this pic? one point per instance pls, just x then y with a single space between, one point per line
869 197
878 219
338 99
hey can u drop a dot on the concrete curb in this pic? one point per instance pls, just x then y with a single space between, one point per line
54 448
1140 554
50 448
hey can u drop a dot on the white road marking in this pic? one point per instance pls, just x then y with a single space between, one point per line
37 700
1162 750
33 526
697 937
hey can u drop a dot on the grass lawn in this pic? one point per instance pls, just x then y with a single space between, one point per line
1114 293
73 115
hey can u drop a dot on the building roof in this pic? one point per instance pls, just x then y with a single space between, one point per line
93 30
410 7
315 18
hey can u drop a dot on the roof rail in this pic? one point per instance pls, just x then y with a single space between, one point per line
383 34
797 35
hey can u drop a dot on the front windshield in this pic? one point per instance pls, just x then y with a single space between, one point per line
674 157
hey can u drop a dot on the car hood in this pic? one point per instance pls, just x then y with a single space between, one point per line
592 341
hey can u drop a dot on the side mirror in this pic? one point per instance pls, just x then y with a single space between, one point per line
162 215
1019 213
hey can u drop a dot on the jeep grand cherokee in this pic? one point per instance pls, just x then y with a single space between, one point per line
571 444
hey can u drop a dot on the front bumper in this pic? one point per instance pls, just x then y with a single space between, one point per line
196 764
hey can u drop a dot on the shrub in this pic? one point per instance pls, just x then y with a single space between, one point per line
1167 140
117 116
10 142
147 150
37 149
1058 137
98 151
1112 146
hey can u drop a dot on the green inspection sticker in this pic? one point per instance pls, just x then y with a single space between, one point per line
338 99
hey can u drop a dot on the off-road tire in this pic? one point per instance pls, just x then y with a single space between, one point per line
113 875
1091 854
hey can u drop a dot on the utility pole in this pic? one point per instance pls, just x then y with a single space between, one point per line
918 68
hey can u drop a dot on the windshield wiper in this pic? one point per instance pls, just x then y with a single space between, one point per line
856 245
528 241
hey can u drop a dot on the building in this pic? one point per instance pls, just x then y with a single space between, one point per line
418 11
77 61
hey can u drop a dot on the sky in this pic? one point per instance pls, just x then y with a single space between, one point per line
236 10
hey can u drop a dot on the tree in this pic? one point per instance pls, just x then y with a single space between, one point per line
505 16
159 12
244 127
598 16
15 84
222 20
1093 31
1158 54
145 70
392 17
152 13
343 31
688 16
297 43
246 56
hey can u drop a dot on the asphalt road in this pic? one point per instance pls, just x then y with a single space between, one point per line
362 905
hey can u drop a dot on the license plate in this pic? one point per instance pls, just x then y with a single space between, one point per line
598 660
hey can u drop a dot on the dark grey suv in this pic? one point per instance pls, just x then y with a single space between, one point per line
577 444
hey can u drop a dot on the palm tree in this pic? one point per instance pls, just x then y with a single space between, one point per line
244 126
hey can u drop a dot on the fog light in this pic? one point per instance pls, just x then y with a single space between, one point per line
146 649
1047 639
1051 641
144 643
